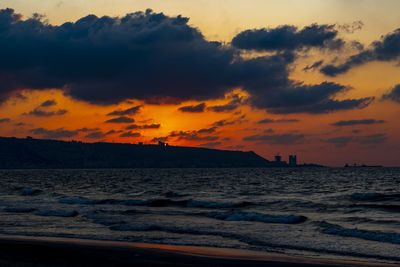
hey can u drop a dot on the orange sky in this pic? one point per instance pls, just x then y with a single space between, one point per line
221 21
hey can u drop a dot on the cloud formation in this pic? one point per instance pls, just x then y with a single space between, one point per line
312 99
48 103
54 134
42 113
341 141
193 109
145 126
126 112
276 139
121 119
3 120
287 37
387 49
98 134
313 66
393 94
108 60
357 122
129 134
232 105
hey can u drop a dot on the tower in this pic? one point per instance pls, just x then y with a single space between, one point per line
292 160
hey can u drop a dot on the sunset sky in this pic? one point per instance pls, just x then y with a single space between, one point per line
320 79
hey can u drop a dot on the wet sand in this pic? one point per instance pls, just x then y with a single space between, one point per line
49 251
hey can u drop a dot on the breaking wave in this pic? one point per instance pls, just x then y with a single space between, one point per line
258 217
379 236
30 192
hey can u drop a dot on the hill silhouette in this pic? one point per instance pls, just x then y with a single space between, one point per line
17 153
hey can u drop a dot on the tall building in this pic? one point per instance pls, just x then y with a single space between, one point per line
278 158
292 160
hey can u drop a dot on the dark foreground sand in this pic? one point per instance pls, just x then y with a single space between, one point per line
44 251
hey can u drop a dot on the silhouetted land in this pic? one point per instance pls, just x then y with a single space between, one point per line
16 153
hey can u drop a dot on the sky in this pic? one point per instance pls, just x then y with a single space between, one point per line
319 79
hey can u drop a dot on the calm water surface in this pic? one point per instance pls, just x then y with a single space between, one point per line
326 212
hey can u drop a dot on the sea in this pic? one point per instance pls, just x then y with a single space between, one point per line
334 213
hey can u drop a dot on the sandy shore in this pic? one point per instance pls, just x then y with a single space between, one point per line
48 251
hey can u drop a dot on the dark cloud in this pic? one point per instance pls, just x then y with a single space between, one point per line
312 99
362 140
277 121
357 122
54 134
19 124
314 66
270 130
3 120
42 113
285 38
211 144
48 103
85 129
340 140
194 109
96 135
232 105
145 126
159 59
99 134
226 122
224 108
235 147
387 49
192 136
207 130
351 27
160 139
129 134
126 112
107 60
393 94
223 123
122 119
277 139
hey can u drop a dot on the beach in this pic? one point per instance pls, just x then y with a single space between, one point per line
51 251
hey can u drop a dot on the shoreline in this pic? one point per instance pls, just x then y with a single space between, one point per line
55 251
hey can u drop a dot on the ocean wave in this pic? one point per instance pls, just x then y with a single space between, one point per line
239 237
30 192
216 205
375 196
258 217
19 210
385 207
156 202
86 201
380 236
57 213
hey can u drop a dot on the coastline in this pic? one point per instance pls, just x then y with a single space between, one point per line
54 251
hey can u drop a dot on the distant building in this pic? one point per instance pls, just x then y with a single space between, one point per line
140 143
292 160
160 143
278 158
